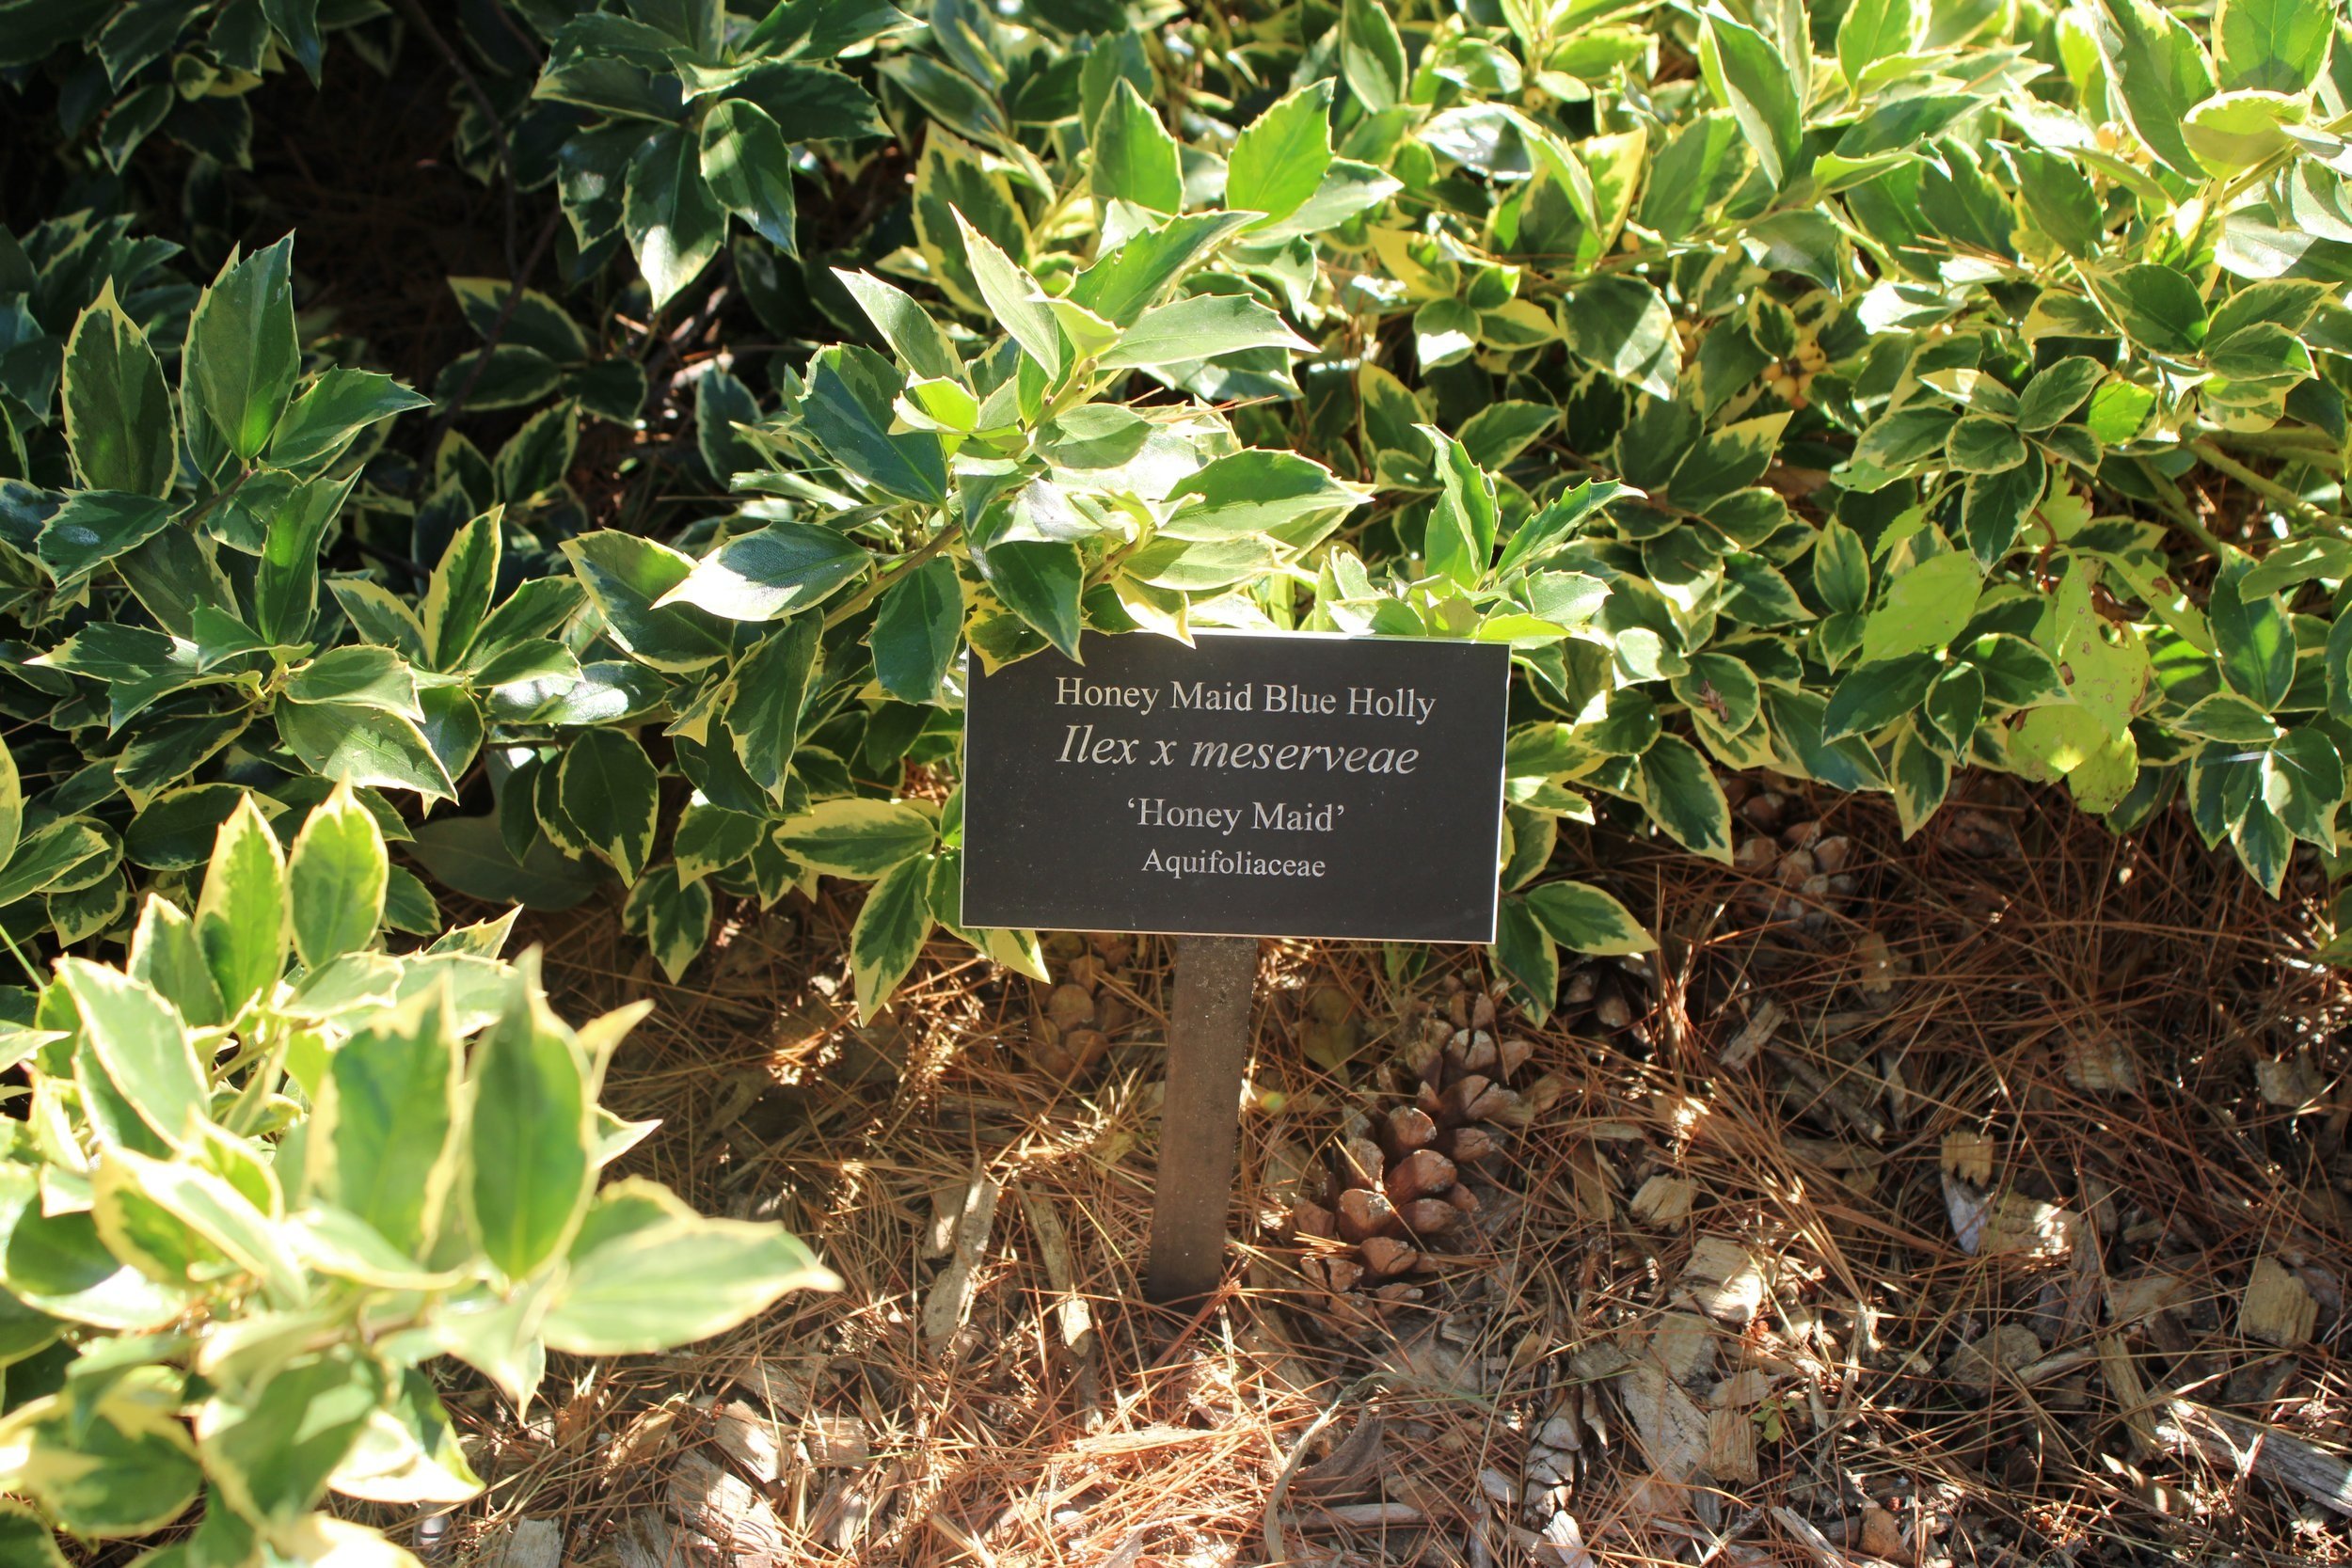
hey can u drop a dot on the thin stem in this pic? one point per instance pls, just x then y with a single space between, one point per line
2272 491
26 963
422 22
2292 445
204 507
906 564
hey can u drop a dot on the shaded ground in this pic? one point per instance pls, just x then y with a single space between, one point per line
1982 1202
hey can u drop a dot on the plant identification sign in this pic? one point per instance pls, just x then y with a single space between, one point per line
1293 784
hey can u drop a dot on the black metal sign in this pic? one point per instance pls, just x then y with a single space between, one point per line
1281 784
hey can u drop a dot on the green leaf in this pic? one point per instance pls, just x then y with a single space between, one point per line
1995 506
1724 462
1872 696
820 29
1748 76
535 458
2264 847
1445 332
467 855
2261 352
849 408
1371 55
919 624
1925 608
1200 327
1918 779
1621 325
660 1277
94 526
858 837
1460 540
948 96
52 856
776 571
1014 300
711 838
2253 638
332 411
904 325
141 1041
1348 187
673 917
532 1171
1525 952
1904 439
763 718
2159 72
1134 158
2057 392
242 356
720 403
2339 664
2271 45
243 1228
297 25
1842 568
1253 492
1041 581
624 576
889 932
381 1145
118 422
1690 173
810 102
271 1448
241 915
2303 784
1499 432
286 585
748 165
674 226
11 806
1581 916
122 1469
2157 306
2061 198
365 746
2118 410
457 596
337 873
1681 793
610 791
1278 159
359 673
533 320
1874 30
1983 444
25 1540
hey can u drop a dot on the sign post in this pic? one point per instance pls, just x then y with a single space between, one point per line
1208 1054
1296 785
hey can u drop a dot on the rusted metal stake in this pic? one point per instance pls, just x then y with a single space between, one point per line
1208 1051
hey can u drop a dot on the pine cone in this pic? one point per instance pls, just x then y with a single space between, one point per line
1073 1021
1800 874
1395 1186
1606 996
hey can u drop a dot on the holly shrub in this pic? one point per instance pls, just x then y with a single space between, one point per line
263 1169
1864 393
1864 390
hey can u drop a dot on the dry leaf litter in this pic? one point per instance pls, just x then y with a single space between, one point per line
1979 1200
